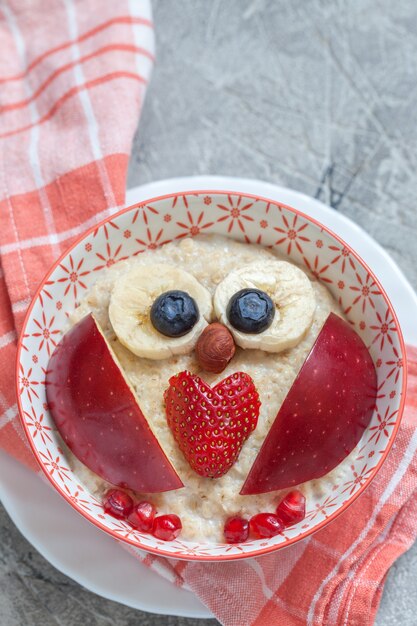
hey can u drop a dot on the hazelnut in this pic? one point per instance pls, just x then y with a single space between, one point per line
215 348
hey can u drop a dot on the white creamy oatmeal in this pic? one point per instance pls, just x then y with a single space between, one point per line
204 504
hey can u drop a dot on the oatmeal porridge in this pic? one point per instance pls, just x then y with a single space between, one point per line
204 504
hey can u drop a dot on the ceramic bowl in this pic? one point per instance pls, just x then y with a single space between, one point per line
246 218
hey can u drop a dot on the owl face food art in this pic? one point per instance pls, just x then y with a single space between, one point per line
206 389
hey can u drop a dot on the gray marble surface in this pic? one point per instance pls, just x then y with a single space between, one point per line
317 95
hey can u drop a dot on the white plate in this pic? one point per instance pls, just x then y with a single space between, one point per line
86 559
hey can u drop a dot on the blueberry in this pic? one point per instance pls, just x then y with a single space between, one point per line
174 313
250 311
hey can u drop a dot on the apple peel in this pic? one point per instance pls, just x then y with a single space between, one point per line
324 415
97 414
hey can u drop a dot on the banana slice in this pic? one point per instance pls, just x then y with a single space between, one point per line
292 296
131 302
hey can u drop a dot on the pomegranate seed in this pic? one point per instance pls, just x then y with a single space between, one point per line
266 525
236 529
292 508
167 527
118 503
142 516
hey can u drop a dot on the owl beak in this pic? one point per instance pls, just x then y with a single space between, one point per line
215 348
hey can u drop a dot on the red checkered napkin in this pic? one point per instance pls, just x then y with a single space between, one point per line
73 76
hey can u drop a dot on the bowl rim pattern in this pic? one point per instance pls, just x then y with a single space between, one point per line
224 556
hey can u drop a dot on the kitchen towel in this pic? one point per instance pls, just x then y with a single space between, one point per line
334 577
73 75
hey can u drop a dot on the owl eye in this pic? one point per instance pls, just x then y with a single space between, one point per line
174 313
250 311
267 305
159 310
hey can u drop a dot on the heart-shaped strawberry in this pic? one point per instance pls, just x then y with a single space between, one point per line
211 425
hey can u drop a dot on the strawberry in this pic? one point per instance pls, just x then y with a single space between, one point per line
210 425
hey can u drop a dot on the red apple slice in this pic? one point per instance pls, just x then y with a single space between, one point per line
324 414
97 414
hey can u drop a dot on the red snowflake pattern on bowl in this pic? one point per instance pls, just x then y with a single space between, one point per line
342 257
78 497
39 428
236 213
109 256
194 226
46 333
107 229
27 383
322 508
73 274
146 211
183 199
292 234
396 365
123 529
384 328
318 272
366 291
152 241
53 464
359 479
381 428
